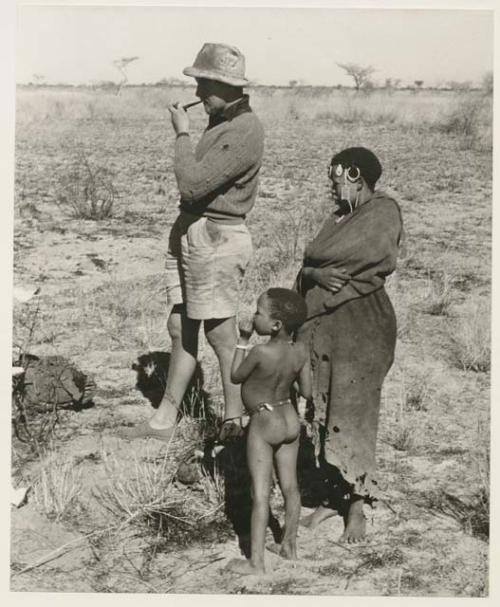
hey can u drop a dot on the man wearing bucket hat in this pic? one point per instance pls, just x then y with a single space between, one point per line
209 243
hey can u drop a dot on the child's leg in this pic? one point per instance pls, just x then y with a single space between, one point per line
260 464
286 464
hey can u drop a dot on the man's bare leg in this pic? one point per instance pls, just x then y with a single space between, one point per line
222 336
260 463
355 521
184 335
286 464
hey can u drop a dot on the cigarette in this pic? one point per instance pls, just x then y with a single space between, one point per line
188 105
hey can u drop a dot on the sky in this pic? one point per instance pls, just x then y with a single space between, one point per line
79 44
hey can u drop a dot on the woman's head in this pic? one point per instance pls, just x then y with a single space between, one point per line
351 171
279 308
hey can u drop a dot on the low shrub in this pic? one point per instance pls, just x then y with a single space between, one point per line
86 191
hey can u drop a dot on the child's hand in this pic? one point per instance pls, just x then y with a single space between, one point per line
245 327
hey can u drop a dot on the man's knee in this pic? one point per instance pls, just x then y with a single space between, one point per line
174 323
221 335
180 327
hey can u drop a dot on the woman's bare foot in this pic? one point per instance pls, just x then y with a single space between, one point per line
355 528
244 567
311 521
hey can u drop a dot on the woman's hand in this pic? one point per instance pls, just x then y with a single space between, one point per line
332 279
179 118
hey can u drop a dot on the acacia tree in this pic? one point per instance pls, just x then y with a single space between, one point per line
121 65
360 75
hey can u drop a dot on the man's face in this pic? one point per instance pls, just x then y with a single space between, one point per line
209 91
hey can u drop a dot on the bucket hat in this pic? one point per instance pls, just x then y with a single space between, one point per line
219 62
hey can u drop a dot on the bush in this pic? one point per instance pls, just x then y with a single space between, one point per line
467 119
87 191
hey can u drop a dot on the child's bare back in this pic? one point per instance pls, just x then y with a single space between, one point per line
266 391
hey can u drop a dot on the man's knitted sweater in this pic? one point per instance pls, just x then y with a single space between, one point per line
220 178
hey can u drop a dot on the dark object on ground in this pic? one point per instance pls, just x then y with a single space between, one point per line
53 381
46 385
152 369
190 471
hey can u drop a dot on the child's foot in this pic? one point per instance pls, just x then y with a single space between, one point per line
311 521
244 567
288 551
285 551
355 529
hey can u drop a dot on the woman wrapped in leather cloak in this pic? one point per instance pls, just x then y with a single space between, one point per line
351 333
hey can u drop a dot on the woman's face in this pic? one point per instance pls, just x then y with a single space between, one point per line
346 183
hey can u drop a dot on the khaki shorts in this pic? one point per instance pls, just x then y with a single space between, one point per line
205 265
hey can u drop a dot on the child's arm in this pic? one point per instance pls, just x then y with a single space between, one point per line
242 367
305 379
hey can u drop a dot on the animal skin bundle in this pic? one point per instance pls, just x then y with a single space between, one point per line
53 380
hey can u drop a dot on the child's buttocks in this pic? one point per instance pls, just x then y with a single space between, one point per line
277 421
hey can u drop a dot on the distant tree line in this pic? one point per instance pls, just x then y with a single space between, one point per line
361 78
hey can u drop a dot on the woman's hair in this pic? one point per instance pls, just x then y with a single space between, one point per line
366 161
288 306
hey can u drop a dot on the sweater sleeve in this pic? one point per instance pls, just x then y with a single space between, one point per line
232 154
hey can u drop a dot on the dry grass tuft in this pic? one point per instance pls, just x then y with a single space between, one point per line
142 489
138 488
440 294
412 398
472 514
470 338
57 487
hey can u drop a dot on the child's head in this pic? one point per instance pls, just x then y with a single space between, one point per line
278 308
